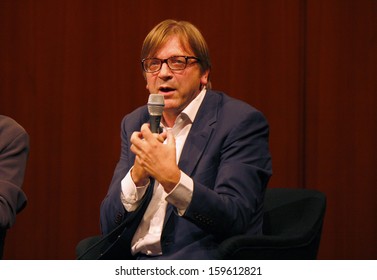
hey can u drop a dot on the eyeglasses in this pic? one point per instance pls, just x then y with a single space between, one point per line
151 65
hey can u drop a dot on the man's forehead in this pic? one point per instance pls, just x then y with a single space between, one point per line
182 44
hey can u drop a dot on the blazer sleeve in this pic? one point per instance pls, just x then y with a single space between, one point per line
112 211
14 150
228 195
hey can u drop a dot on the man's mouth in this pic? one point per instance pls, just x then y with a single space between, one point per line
165 89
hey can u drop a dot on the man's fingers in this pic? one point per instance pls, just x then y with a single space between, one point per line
170 138
146 132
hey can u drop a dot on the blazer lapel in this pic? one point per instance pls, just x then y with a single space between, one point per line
197 138
199 134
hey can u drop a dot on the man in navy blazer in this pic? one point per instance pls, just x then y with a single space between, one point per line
200 181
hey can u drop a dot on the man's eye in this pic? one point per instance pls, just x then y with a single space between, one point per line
154 63
177 60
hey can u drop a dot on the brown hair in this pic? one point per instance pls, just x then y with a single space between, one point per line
189 35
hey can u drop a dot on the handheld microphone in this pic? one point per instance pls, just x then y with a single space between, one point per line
155 107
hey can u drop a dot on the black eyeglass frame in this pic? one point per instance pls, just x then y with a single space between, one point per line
166 60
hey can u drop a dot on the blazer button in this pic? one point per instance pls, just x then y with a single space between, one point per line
119 218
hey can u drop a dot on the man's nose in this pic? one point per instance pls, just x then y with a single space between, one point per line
165 70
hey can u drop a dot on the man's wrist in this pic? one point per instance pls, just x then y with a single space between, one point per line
138 181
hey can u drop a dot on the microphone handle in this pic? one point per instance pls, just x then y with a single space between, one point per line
155 124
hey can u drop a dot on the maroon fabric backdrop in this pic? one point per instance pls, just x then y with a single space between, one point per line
70 70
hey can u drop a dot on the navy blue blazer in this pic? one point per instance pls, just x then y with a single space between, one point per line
227 156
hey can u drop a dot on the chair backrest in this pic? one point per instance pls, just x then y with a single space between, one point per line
296 217
292 228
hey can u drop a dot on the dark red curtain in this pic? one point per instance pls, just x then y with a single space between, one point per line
70 71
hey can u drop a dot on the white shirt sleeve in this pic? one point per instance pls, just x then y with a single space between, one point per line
181 195
131 195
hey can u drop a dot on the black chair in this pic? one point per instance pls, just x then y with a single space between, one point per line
292 229
2 240
86 243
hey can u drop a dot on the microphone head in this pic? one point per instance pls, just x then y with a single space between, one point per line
156 104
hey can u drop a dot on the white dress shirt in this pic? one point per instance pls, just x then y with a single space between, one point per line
147 236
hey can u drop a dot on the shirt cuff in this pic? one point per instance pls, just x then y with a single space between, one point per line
181 195
131 195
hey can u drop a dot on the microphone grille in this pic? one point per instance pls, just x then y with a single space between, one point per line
156 104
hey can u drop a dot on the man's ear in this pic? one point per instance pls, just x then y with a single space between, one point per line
204 78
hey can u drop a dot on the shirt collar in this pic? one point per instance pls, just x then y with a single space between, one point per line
189 113
192 109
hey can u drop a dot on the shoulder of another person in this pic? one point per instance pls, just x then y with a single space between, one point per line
9 128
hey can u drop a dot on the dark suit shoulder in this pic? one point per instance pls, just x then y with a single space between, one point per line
231 107
10 130
134 120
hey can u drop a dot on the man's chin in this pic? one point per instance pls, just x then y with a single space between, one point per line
167 94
